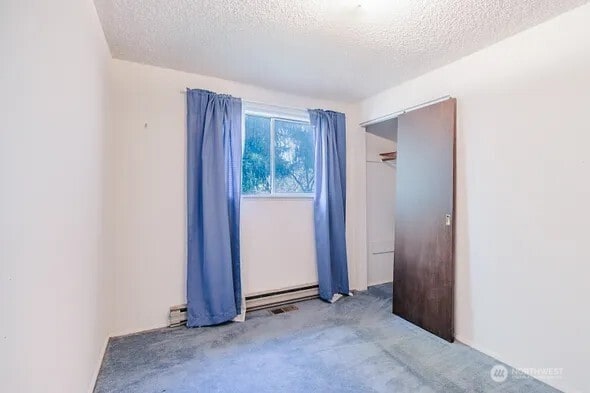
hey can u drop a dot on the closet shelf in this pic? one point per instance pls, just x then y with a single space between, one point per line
389 156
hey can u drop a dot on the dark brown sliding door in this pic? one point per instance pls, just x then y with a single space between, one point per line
423 280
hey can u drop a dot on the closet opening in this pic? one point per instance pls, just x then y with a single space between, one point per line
381 157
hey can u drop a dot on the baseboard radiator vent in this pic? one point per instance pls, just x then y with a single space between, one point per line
283 309
259 301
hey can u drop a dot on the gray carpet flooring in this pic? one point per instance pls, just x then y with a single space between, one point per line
355 345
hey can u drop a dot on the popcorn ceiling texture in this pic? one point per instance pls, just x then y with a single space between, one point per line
333 49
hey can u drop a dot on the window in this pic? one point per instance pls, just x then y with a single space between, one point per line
278 158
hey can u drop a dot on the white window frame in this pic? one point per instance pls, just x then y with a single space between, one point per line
274 113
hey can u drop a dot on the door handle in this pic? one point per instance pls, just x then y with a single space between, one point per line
448 220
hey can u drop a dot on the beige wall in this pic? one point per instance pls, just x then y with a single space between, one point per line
522 193
278 244
54 285
148 198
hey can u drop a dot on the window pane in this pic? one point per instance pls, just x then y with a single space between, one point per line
256 156
294 157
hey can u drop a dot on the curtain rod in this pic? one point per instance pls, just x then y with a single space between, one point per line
365 123
393 115
266 104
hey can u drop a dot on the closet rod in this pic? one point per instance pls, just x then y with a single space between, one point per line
401 112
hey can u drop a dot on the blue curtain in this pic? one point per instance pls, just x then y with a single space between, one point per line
330 201
214 150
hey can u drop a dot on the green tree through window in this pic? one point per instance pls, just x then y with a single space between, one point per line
294 158
256 157
278 157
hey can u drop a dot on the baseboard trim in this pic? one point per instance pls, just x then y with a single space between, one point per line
389 280
132 332
103 350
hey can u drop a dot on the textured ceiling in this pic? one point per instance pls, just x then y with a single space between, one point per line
323 48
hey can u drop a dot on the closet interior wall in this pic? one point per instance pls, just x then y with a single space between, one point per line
380 138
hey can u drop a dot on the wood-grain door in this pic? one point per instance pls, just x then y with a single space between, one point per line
423 279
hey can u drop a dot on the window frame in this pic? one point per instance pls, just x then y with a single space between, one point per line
274 113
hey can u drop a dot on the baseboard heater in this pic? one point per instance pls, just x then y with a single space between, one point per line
281 297
258 301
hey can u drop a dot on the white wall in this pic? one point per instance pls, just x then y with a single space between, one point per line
380 210
53 283
278 244
149 197
522 193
